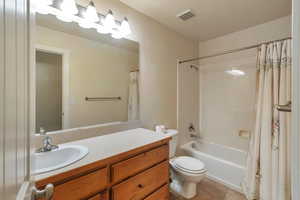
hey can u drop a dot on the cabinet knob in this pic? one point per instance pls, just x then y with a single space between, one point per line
140 186
46 193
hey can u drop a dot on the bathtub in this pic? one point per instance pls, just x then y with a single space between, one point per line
224 164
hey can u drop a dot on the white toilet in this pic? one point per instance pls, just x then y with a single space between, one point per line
186 172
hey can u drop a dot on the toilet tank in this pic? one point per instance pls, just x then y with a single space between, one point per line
173 142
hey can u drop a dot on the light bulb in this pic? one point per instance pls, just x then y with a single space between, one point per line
42 9
65 18
85 23
69 7
125 27
103 30
91 14
109 21
236 72
42 6
115 33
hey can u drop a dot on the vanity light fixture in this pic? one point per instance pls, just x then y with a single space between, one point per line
88 17
103 30
48 2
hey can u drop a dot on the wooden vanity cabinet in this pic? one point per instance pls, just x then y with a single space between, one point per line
139 174
160 194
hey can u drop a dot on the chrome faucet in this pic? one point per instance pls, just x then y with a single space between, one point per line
47 143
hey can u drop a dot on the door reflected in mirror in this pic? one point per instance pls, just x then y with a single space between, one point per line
83 78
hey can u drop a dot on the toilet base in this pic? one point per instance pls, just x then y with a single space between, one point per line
187 190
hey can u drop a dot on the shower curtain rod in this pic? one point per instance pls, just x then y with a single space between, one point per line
231 51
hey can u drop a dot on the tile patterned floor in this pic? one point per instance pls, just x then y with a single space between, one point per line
210 190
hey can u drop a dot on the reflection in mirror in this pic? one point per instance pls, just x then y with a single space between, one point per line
83 78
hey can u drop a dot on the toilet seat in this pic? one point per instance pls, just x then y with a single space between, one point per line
189 165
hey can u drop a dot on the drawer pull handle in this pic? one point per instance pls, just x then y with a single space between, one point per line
140 186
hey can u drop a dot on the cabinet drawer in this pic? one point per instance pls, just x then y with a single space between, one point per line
102 196
143 184
83 186
161 194
138 163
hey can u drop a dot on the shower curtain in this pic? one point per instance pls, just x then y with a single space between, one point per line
268 162
133 96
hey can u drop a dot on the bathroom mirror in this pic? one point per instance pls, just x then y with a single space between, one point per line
83 78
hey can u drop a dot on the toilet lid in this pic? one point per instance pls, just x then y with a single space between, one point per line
189 164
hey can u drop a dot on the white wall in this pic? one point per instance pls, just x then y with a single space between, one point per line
272 30
234 96
160 48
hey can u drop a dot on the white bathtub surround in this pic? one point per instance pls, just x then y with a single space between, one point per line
225 165
269 155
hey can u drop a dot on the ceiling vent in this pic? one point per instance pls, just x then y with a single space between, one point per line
186 15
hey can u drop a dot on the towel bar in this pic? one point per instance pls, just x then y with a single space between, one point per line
102 98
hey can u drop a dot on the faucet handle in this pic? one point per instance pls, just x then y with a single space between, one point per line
191 128
48 140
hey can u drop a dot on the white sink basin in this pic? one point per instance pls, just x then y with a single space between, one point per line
59 158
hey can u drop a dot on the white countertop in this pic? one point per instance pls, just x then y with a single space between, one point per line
106 146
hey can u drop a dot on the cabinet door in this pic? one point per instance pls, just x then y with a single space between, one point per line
161 194
82 187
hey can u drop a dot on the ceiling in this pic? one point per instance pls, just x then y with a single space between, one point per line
213 18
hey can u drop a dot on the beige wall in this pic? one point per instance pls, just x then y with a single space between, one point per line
160 48
95 70
227 103
48 91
